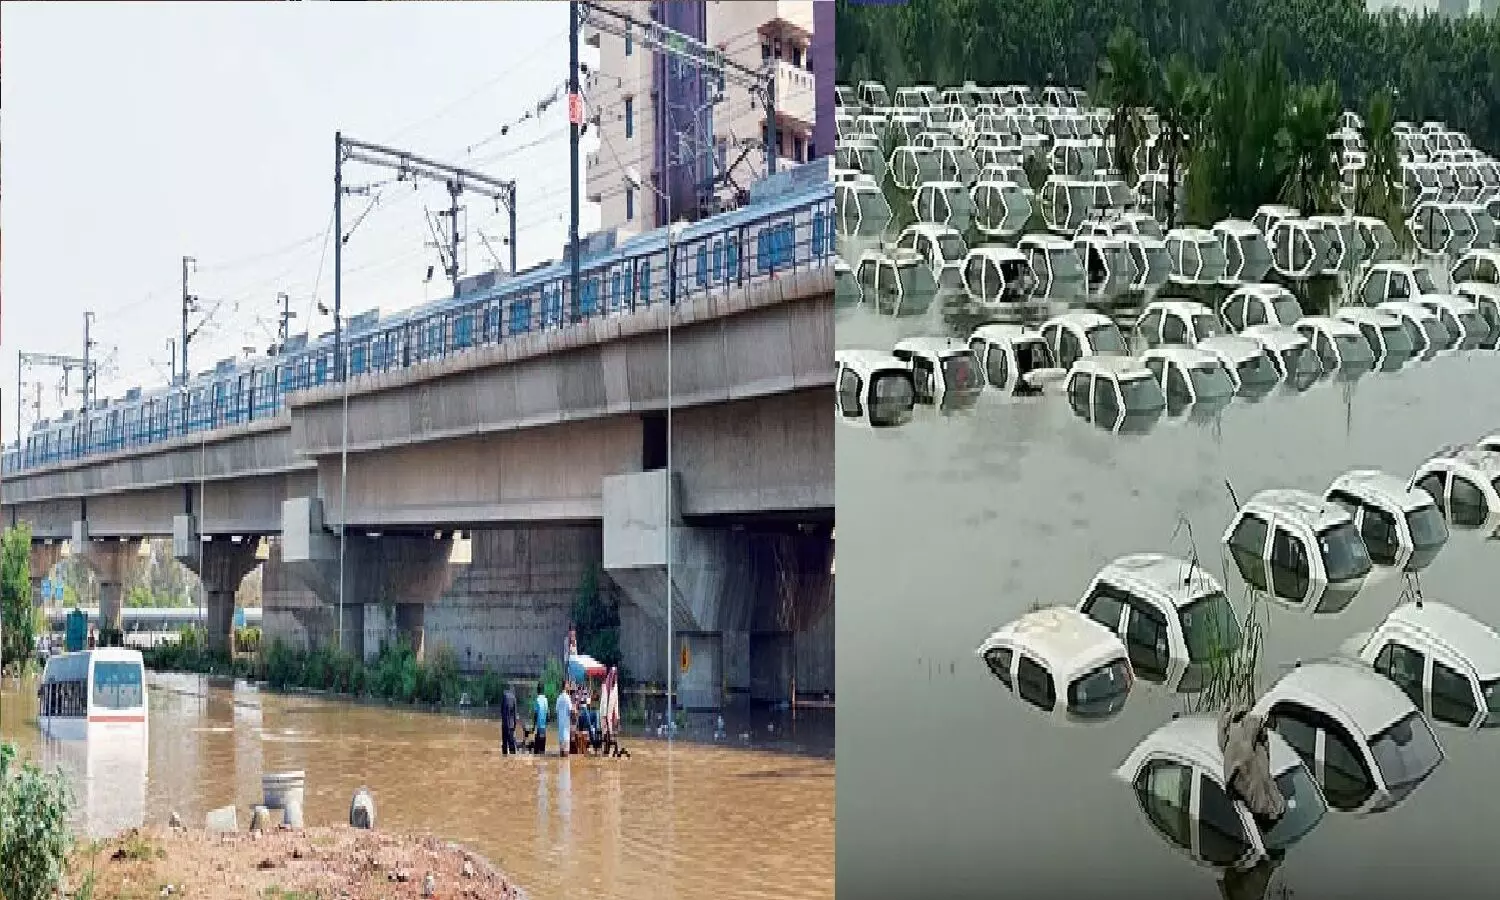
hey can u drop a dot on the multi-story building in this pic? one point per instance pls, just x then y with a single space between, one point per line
672 139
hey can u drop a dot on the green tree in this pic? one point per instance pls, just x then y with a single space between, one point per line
1126 84
596 616
1180 103
1312 173
15 594
34 835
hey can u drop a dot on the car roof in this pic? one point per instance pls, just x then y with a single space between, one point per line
1383 488
1196 738
1364 315
1234 346
1372 702
1046 242
869 360
1001 253
1450 302
1113 365
1082 318
1407 308
1178 580
937 346
1297 505
1485 463
931 229
1465 635
1003 333
1237 228
1186 357
1263 289
1069 642
1277 337
1181 307
1195 235
1329 324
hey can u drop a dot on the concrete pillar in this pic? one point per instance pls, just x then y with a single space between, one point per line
110 561
44 557
411 624
221 564
386 569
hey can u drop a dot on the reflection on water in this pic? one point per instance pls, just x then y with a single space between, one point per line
953 528
686 820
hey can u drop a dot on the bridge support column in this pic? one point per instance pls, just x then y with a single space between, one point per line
110 561
405 571
43 558
220 564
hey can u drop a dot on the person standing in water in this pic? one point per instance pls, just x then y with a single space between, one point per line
564 720
508 721
539 740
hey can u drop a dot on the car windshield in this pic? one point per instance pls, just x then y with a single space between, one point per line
1142 394
117 685
1353 348
1428 528
1398 342
1157 260
1206 326
891 398
1304 808
961 372
952 246
1414 334
1424 281
1300 361
916 279
1209 627
1344 553
1475 326
1105 338
1258 369
1438 335
1288 310
1406 752
1490 690
1211 381
1065 264
1148 227
1102 692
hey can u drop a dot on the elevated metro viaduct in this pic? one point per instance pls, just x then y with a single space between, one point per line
549 452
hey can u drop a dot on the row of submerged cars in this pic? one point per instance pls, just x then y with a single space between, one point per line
1350 732
962 153
1180 355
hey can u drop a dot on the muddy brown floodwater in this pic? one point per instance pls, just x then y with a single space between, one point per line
679 820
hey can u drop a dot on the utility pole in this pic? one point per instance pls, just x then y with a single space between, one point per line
451 267
88 370
284 329
51 360
189 304
172 357
575 122
408 167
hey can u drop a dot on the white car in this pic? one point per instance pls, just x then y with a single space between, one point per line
1177 774
1259 304
1466 486
1167 610
1061 662
1447 662
1386 333
1401 526
1250 364
1338 344
945 372
1299 549
1176 323
874 389
1117 393
1295 360
1364 741
1190 376
1080 333
1014 358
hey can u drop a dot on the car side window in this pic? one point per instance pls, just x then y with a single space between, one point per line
1290 572
1105 403
1104 606
1070 350
1150 328
1326 352
1255 312
1469 507
1173 330
1221 832
1157 365
1078 393
1146 640
925 378
1234 314
1452 697
1404 667
850 388
1034 684
1346 779
1177 386
1248 547
1399 289
1375 289
997 366
1164 791
1432 483
999 660
1372 336
1378 528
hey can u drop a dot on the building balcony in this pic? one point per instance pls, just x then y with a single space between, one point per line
796 93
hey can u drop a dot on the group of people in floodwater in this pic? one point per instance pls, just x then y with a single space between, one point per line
584 724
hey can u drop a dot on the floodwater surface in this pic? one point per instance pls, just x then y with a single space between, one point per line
674 820
950 526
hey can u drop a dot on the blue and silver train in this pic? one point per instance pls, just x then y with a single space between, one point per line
787 225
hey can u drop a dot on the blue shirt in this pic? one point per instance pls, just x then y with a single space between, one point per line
541 712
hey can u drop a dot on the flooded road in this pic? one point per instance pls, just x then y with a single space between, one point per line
951 526
684 820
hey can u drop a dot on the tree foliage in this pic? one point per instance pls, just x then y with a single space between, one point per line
34 835
1433 67
18 625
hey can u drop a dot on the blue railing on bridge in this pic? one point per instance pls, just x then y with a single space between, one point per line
758 242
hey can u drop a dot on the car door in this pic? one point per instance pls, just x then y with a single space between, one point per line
1234 314
1436 486
850 399
1375 288
1405 666
1224 837
1179 390
1451 697
1080 396
1001 661
1069 349
1467 501
1248 547
1164 790
1173 330
1147 638
1034 683
1149 328
1291 572
1106 406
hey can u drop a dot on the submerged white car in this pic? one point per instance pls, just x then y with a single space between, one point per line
1061 662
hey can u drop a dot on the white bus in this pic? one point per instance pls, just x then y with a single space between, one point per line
101 686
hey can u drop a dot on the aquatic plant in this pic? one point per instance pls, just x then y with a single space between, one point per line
34 835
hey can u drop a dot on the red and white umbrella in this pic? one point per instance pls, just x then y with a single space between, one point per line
582 665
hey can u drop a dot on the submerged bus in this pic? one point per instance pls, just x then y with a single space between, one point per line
101 686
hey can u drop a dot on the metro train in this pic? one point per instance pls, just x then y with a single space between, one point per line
789 225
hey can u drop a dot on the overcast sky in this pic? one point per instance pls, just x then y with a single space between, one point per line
137 133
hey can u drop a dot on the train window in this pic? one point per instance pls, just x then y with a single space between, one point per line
702 265
435 338
718 259
732 256
520 316
357 359
645 282
819 227
588 300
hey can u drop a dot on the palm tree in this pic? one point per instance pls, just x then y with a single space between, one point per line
1181 103
1307 149
1378 193
1125 85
